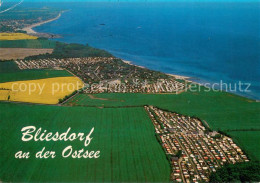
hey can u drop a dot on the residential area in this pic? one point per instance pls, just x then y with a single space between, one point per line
110 75
193 150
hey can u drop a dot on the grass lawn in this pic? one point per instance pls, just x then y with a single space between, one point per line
248 140
125 137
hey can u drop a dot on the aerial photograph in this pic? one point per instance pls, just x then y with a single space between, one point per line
130 91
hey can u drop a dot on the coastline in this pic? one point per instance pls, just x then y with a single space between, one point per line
29 29
174 75
189 80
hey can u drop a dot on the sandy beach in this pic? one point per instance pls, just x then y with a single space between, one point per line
130 63
174 75
30 30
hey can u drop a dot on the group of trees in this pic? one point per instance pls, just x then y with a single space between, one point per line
63 50
240 172
4 28
67 97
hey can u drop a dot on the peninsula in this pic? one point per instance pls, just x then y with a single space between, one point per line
29 29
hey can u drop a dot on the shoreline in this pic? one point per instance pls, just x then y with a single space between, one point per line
174 75
29 29
189 80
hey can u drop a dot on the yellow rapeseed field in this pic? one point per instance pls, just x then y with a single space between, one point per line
15 36
45 91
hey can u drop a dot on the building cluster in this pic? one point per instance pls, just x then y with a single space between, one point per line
132 86
12 25
110 75
75 63
195 152
10 22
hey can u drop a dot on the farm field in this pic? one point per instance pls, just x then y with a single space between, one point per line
8 66
21 53
29 43
129 151
23 75
249 140
45 91
46 79
222 111
15 36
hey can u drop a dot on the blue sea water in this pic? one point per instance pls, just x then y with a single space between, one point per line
209 42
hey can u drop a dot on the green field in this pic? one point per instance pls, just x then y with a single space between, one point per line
125 137
7 66
222 111
248 140
10 72
30 43
32 75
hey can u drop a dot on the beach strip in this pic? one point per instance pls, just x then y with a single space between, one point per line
29 29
